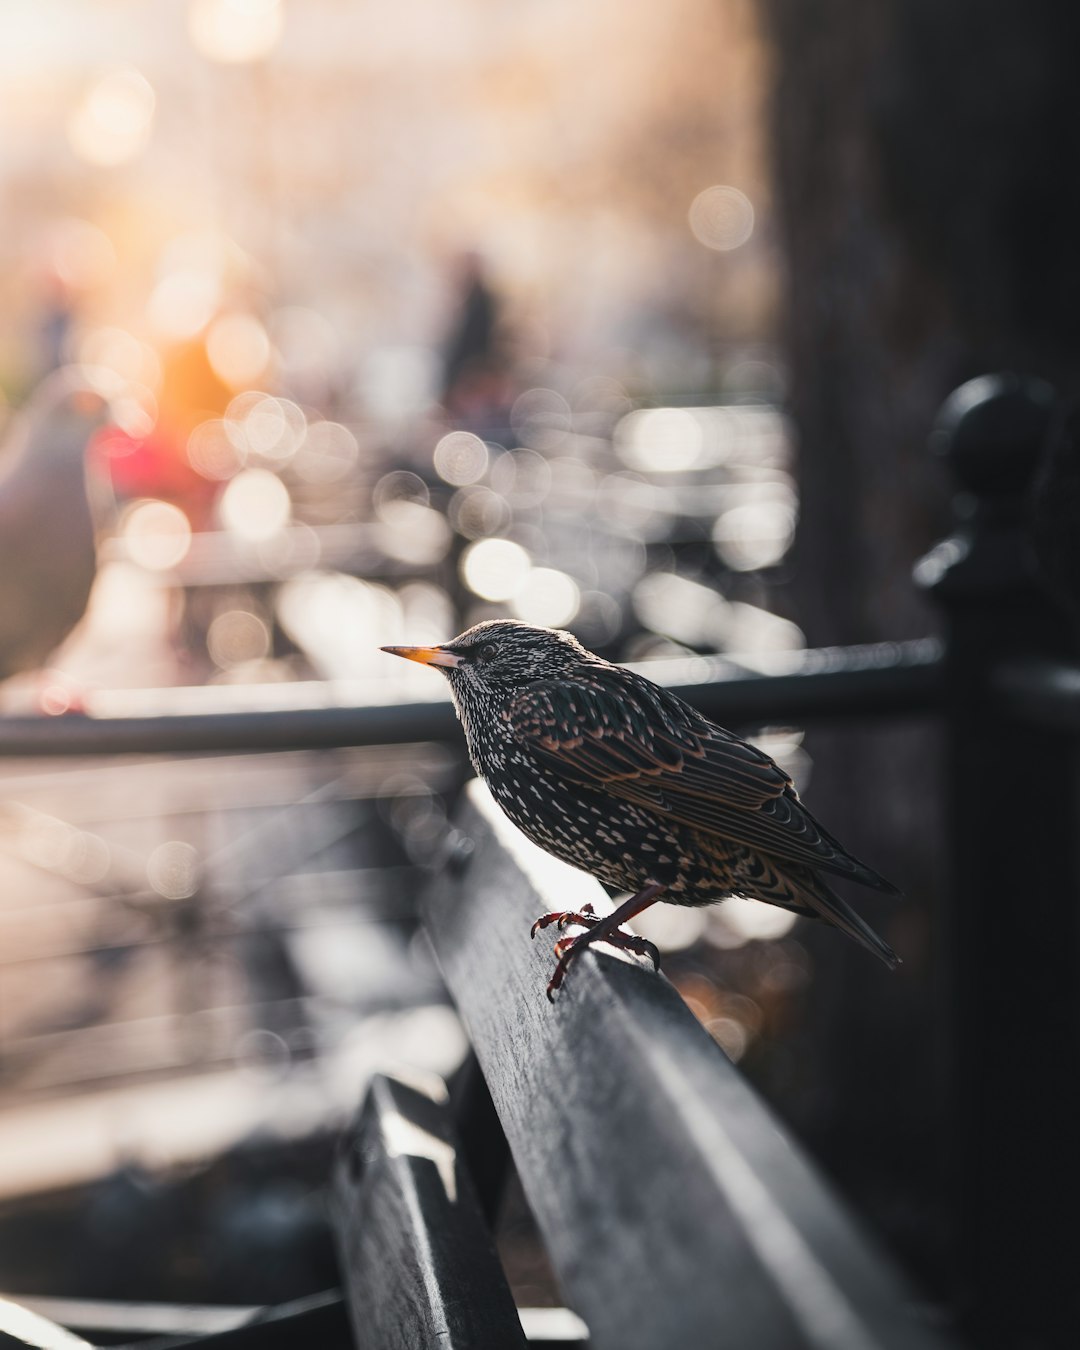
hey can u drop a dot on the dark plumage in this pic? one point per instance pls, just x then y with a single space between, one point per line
621 778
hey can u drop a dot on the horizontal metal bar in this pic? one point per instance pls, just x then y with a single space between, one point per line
883 679
1040 693
821 684
191 733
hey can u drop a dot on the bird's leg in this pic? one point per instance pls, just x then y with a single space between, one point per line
587 917
606 929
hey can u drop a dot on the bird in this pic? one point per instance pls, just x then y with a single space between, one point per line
47 526
623 779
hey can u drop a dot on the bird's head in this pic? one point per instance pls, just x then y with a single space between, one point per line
500 656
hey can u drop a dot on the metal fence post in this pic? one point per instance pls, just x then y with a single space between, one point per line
1012 915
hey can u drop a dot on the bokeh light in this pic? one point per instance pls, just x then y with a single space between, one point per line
157 535
193 273
413 533
112 122
721 218
476 512
60 847
672 927
460 458
426 610
237 636
680 608
235 31
753 920
173 870
255 505
213 453
494 569
238 348
333 616
183 303
661 440
546 597
755 534
400 485
270 428
756 632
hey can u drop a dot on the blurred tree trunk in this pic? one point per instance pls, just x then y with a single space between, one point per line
925 159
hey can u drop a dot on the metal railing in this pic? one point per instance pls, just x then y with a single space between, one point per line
887 678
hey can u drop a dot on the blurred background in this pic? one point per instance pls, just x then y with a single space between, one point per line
330 325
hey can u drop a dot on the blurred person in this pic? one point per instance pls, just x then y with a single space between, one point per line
155 464
474 389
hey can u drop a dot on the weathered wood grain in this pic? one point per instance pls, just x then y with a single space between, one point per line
675 1210
418 1264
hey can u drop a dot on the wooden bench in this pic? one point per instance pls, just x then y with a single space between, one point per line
675 1210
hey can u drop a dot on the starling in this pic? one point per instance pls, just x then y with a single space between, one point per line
621 778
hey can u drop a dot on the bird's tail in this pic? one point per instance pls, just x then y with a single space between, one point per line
827 905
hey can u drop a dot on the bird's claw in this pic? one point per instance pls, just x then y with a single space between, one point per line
569 947
585 918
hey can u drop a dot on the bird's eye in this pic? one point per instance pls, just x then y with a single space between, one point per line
486 652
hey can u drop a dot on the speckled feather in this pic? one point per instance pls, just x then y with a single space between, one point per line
621 778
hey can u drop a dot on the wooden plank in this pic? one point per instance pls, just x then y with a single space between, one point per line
674 1208
419 1265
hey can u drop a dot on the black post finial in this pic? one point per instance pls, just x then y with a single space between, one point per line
992 430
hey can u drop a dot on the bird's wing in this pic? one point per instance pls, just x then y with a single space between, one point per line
612 730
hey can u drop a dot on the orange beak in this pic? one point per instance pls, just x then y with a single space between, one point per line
427 656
